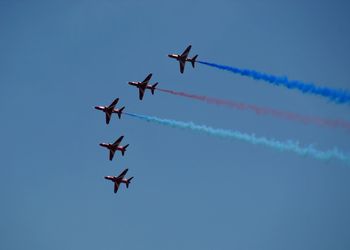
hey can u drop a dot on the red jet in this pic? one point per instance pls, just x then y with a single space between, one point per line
119 179
114 147
183 58
142 86
110 110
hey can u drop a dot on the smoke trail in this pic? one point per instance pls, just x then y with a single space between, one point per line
250 138
336 95
263 111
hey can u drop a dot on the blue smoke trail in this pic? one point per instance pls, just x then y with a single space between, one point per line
336 95
251 138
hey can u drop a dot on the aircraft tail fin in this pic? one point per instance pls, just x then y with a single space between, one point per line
154 88
128 182
120 112
193 60
124 149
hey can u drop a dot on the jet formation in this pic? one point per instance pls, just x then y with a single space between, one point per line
109 110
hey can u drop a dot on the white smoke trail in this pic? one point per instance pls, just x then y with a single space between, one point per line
290 146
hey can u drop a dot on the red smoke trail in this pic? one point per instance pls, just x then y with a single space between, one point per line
263 111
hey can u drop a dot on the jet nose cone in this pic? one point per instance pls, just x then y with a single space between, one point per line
106 177
101 144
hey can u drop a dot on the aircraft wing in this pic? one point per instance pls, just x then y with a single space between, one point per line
108 117
112 105
117 142
111 154
121 176
141 92
187 50
147 79
182 66
116 186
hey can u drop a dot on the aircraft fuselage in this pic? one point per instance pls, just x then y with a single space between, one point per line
106 145
103 108
116 179
175 56
134 84
111 147
139 85
106 109
180 58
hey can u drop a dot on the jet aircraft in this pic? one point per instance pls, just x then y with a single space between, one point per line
114 147
119 179
183 58
109 110
142 86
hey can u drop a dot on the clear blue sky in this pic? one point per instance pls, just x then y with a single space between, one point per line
58 59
